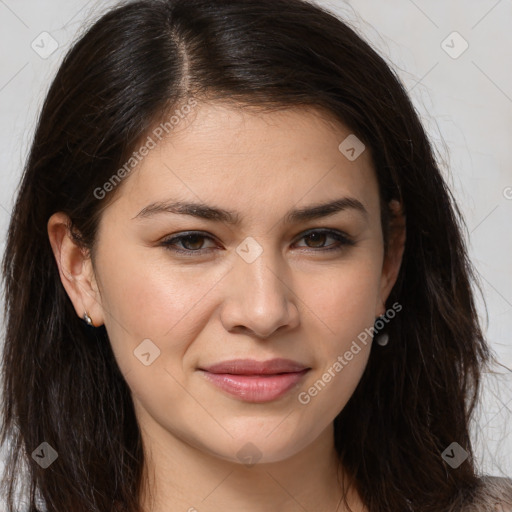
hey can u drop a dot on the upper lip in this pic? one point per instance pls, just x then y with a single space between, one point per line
254 367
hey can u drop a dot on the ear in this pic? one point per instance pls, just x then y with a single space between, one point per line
75 269
394 254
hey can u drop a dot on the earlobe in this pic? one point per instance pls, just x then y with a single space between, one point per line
75 269
394 254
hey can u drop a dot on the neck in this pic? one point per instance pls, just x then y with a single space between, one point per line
178 476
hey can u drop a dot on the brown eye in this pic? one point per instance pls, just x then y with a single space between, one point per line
317 239
193 242
188 243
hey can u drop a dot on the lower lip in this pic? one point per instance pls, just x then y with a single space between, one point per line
256 388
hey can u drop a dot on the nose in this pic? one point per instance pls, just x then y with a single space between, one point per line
258 300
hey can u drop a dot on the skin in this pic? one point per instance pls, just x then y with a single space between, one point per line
295 301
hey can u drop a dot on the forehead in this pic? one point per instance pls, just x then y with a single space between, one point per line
223 154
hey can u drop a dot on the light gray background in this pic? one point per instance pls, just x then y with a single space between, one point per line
465 103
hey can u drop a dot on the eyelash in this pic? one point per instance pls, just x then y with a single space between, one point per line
342 239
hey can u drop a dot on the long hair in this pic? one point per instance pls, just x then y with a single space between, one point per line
131 69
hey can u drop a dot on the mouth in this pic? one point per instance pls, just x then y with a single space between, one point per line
254 381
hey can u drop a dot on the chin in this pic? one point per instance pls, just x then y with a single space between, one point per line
263 444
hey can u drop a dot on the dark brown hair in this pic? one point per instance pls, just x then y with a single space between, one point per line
61 383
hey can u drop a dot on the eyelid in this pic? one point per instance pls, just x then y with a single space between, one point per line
342 238
183 235
334 233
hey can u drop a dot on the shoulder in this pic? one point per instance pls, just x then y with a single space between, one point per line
494 494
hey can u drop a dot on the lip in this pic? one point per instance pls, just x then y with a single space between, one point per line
256 381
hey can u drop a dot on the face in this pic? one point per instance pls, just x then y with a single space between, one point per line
279 268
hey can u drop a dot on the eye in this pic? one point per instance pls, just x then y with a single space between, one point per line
317 238
192 243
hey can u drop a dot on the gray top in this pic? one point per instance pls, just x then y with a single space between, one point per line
494 495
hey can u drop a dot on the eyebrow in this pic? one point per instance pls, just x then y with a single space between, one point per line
206 212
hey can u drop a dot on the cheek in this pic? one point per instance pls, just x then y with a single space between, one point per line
326 394
342 303
344 310
344 298
152 300
153 291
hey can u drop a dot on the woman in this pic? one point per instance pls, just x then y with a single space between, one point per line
235 277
